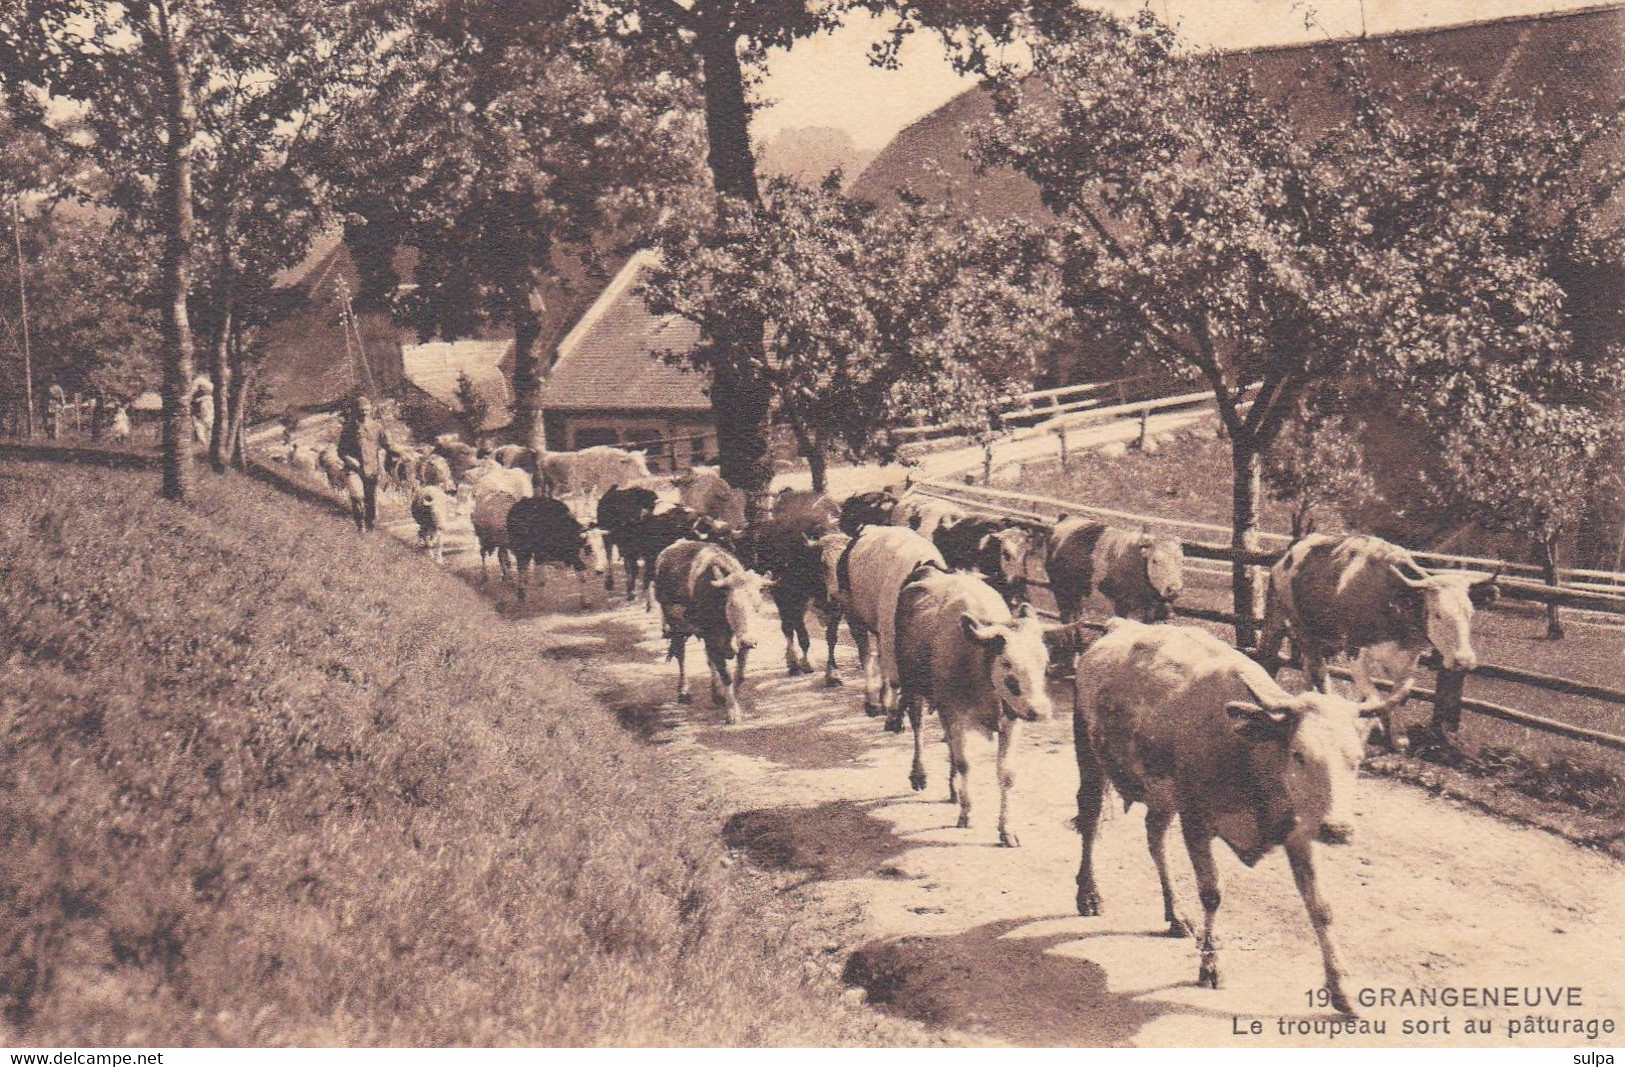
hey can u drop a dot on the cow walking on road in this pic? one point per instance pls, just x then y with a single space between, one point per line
1140 574
1183 723
960 650
869 576
994 548
1367 597
786 547
705 592
542 530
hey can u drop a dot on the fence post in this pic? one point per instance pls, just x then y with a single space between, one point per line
1060 431
987 462
1447 703
1145 425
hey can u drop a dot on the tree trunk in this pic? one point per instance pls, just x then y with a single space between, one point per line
220 370
740 401
1548 567
180 123
528 373
811 443
1247 588
241 381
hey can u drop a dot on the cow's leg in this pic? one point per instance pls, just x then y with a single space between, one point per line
1199 843
914 707
485 573
787 626
961 765
1303 873
864 639
832 627
583 580
1156 836
1091 796
612 555
1314 665
505 563
522 570
730 687
1007 780
1269 643
804 639
677 650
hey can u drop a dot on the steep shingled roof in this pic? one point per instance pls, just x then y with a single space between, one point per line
435 367
1568 58
611 359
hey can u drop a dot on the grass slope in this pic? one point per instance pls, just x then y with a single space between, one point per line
264 781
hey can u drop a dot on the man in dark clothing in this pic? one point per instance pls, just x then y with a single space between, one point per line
364 446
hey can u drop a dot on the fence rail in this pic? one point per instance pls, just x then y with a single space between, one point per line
1047 404
1038 513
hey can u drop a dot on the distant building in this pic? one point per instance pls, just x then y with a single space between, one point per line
610 385
436 367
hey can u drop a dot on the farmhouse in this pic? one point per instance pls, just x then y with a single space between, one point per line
611 386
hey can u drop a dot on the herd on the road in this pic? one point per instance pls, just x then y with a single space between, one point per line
936 602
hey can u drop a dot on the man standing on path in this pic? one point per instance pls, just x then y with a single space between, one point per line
364 446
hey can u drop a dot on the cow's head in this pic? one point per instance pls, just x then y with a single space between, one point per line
1005 552
741 603
1317 740
1164 568
1017 659
1448 600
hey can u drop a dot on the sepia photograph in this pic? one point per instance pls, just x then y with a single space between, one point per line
886 524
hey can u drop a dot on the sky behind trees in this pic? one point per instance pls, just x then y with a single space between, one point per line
827 80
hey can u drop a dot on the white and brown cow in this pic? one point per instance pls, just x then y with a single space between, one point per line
1140 574
960 650
868 575
1367 597
705 592
1188 726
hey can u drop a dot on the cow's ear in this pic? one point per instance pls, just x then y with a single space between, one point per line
1256 723
983 633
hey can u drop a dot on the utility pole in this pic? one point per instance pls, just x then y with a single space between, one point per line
22 301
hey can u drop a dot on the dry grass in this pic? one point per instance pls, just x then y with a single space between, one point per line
265 781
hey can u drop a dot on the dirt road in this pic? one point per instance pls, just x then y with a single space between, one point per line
946 927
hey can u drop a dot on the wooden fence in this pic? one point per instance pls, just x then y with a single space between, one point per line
1039 512
1028 410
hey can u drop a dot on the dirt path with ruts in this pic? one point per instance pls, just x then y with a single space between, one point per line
944 926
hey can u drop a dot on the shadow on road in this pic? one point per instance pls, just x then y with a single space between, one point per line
836 840
1012 987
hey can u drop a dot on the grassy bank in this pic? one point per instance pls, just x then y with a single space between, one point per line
267 781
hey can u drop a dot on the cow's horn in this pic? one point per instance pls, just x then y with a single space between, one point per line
1374 707
1240 709
1414 583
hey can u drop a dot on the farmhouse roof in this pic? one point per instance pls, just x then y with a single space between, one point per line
611 359
436 366
1569 59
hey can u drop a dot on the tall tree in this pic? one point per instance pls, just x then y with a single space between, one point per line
504 137
137 74
1267 249
724 43
868 317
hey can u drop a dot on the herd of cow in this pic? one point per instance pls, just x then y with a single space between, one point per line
936 603
1171 716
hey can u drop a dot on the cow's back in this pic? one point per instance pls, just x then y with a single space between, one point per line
1153 700
880 559
1071 559
1342 592
673 570
935 658
490 519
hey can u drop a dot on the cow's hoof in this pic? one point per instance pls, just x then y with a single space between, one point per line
1179 928
1208 976
1088 902
917 780
1008 840
894 724
832 682
872 710
685 698
964 822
